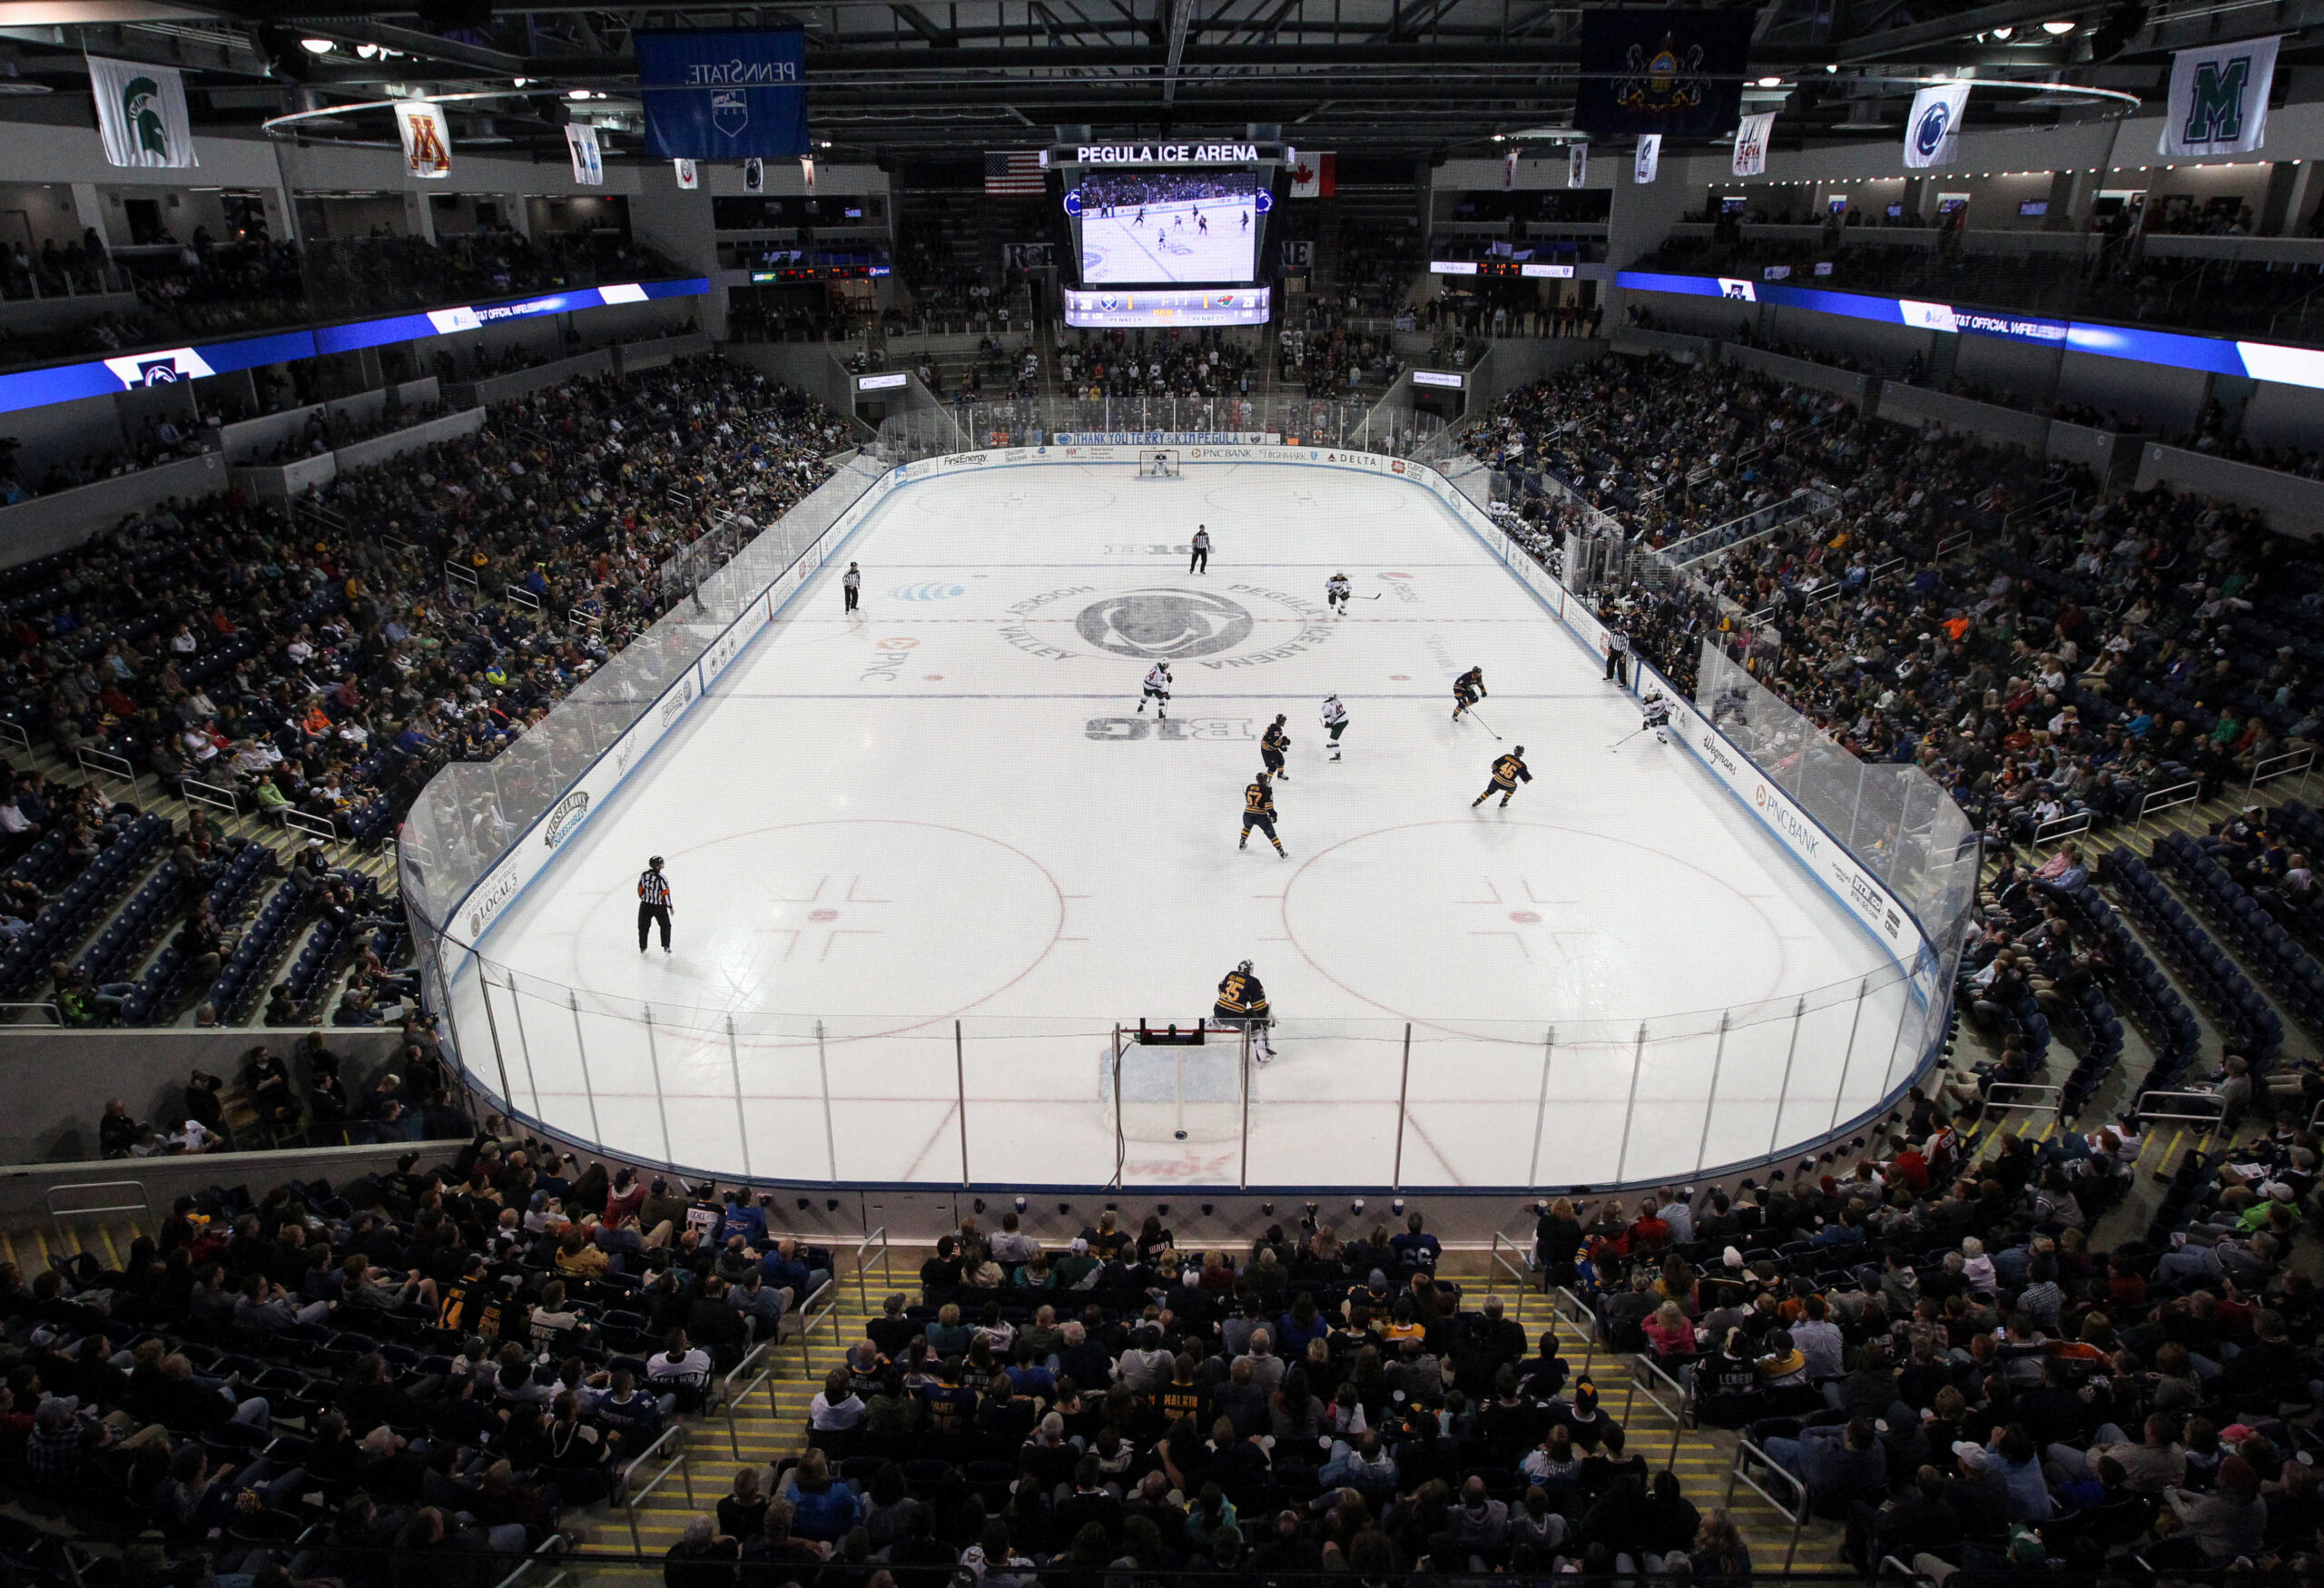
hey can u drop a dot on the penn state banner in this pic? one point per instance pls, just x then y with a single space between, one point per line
1675 73
723 94
2219 100
1933 128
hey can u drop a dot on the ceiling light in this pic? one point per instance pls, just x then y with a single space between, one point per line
1500 137
1771 83
366 51
519 81
1831 67
2002 33
2057 29
576 93
318 47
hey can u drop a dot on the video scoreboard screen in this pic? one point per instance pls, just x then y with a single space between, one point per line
1167 220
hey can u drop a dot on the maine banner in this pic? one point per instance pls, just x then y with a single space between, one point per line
723 94
1675 73
2219 100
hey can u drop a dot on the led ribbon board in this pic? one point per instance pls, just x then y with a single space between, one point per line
2287 366
167 366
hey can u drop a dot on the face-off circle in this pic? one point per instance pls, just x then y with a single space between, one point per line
1558 924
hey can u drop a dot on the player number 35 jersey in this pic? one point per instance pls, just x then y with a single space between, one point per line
1240 993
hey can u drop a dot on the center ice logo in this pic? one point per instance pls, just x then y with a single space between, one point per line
1164 625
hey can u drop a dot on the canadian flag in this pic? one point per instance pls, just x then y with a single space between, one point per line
1314 176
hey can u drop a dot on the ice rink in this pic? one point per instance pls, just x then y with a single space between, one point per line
1169 245
932 851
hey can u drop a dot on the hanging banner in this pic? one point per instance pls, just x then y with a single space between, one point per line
2219 100
723 94
1675 73
1314 176
588 160
1933 131
1509 169
1751 136
1576 164
141 113
427 139
807 171
755 176
689 175
1649 158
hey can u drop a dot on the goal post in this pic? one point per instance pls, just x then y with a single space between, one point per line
1173 1087
1158 463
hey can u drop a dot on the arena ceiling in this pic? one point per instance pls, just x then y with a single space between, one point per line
904 79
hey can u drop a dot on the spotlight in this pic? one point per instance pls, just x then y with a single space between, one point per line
1356 1207
2057 29
1397 1206
318 47
1021 1204
1771 83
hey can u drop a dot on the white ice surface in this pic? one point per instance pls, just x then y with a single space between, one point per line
946 808
1168 245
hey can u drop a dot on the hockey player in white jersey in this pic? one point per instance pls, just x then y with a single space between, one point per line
1335 592
1657 714
1334 722
1158 690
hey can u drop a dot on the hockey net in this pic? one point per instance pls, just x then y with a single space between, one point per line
1158 463
1175 1084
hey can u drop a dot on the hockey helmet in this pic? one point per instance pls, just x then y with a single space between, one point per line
655 862
1245 967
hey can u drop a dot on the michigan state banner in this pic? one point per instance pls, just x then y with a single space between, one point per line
141 113
2219 100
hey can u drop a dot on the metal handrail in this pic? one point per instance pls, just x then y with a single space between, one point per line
549 1549
57 1216
862 1292
16 732
2162 799
633 1492
1744 1448
810 1320
2035 1104
2143 1112
102 762
730 1399
55 1015
2282 763
1514 1270
1581 1314
2061 827
196 792
321 827
1950 546
1678 1408
524 597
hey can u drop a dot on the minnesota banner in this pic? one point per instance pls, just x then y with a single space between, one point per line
1675 73
2219 100
427 141
723 94
141 113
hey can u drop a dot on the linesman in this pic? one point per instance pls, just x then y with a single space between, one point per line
652 903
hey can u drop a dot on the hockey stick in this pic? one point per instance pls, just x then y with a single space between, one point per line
1625 739
1481 723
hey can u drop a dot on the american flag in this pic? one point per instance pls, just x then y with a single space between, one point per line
1016 171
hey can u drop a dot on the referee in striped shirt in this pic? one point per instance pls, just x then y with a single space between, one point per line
652 903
